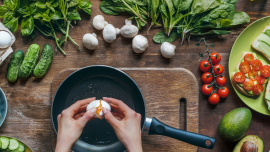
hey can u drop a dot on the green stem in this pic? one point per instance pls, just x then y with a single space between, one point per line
133 11
46 34
56 40
67 31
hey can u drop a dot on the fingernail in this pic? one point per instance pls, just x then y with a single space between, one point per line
104 110
93 110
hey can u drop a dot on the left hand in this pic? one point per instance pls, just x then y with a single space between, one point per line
71 123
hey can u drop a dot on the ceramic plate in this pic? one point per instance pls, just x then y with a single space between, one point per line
243 44
27 149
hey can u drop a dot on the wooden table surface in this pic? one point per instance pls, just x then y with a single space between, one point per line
29 117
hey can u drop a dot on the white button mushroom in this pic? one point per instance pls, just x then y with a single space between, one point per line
5 39
98 104
99 22
139 44
129 30
90 41
167 49
110 33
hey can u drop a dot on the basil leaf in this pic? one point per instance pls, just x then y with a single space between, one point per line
33 8
84 4
73 15
8 17
12 4
72 3
56 15
3 11
12 25
50 1
33 34
88 11
27 26
41 5
23 10
55 4
161 37
24 3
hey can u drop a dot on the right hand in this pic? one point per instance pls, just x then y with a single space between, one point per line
126 124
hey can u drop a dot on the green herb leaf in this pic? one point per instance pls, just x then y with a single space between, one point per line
84 4
224 11
217 32
200 6
161 37
12 4
27 26
3 11
229 1
56 15
8 17
55 4
182 5
73 15
41 5
88 11
72 3
33 8
12 25
110 8
33 34
240 18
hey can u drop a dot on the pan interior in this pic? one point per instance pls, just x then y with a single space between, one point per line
99 132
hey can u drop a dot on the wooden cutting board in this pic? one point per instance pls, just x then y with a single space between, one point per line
164 89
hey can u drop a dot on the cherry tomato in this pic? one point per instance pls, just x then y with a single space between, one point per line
205 66
213 99
207 77
218 69
244 67
215 58
221 80
207 89
260 79
256 64
258 89
249 58
223 92
265 71
239 77
252 74
248 84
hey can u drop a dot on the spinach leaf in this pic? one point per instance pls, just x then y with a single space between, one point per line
217 32
27 26
12 25
181 5
161 37
73 15
200 6
221 23
154 13
111 8
3 11
240 18
224 11
229 1
8 17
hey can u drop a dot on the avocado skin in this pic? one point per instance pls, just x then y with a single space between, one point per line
253 138
234 125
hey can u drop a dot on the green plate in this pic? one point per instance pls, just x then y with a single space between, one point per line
243 44
27 149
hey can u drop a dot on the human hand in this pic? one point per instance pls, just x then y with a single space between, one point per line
126 124
71 123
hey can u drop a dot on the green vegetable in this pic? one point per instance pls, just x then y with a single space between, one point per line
5 142
234 125
21 148
250 138
44 62
161 37
44 15
13 144
14 65
29 61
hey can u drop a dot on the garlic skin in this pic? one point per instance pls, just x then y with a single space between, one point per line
5 39
167 50
90 41
110 33
129 30
99 22
95 104
139 44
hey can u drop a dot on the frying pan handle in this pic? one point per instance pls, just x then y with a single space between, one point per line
159 128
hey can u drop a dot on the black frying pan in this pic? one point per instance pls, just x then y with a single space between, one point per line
103 81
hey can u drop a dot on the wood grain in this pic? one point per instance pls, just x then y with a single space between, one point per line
29 101
162 89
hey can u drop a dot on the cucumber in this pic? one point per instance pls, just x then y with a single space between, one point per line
44 62
29 61
14 65
5 142
13 144
21 148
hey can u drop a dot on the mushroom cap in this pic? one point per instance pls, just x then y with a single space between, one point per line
129 31
109 33
90 41
139 44
99 22
167 49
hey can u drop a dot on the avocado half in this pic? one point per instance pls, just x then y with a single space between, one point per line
250 138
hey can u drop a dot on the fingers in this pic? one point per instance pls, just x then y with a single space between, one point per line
119 115
110 118
78 115
76 106
122 107
86 117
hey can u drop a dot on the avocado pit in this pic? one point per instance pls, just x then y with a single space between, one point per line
249 147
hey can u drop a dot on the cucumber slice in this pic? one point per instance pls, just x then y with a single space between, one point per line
21 147
13 144
15 151
5 142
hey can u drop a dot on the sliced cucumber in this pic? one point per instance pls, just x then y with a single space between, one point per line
5 142
21 147
15 151
13 144
264 48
